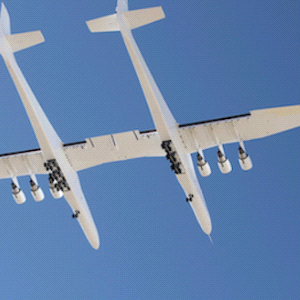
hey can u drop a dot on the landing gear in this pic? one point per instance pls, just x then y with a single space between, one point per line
190 198
172 156
76 213
56 177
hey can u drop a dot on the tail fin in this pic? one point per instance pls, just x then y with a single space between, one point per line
122 5
4 20
134 19
18 41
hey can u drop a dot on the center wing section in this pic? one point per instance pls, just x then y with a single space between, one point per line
113 147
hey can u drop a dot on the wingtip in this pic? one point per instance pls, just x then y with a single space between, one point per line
210 239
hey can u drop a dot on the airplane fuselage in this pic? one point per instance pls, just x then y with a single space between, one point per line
167 128
50 143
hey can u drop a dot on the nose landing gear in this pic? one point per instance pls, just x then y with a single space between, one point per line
76 213
190 198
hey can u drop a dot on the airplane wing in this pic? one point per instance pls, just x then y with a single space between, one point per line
22 163
82 155
206 134
135 144
113 147
254 125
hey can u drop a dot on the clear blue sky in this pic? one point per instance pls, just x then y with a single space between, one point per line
210 59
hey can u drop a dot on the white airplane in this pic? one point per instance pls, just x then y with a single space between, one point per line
177 142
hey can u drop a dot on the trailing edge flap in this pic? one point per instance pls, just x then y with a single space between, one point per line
134 19
20 41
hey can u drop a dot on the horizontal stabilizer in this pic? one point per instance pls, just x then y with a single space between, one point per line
141 17
134 19
20 41
103 24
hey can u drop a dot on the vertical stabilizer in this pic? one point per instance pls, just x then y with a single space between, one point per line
122 5
18 41
4 20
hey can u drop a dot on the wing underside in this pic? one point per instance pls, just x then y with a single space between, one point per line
85 154
114 147
22 163
257 124
135 144
206 134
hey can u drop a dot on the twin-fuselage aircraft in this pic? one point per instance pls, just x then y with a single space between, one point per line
61 162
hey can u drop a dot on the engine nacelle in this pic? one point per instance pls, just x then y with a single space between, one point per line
36 191
18 194
54 189
224 163
203 166
244 160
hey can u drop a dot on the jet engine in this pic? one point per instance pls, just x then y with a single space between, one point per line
54 188
203 165
223 162
36 191
244 159
18 194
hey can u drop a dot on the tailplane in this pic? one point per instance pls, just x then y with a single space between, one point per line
18 41
134 18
